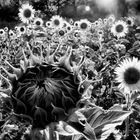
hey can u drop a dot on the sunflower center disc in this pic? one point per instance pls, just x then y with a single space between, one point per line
131 76
1 32
83 26
61 33
119 28
27 13
21 29
56 22
129 22
38 23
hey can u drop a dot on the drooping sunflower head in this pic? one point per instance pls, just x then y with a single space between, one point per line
119 29
26 13
128 75
44 90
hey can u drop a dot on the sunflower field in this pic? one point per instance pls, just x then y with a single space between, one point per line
66 79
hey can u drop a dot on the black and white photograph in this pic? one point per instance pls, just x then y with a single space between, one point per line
69 69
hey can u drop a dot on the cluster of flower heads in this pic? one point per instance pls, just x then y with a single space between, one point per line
104 43
105 54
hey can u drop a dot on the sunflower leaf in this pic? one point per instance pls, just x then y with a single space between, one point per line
20 107
40 116
104 122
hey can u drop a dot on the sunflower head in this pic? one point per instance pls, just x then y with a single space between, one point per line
26 13
84 24
128 75
57 22
119 29
38 22
20 30
2 32
46 91
130 21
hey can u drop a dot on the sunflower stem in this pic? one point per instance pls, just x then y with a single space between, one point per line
52 135
127 119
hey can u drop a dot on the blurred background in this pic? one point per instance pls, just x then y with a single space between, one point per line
75 9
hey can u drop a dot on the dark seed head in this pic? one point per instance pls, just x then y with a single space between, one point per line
119 28
27 13
56 22
83 26
38 23
131 76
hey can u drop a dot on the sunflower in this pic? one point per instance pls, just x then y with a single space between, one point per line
6 29
119 28
26 13
57 22
76 24
48 24
110 19
84 25
61 32
12 35
2 32
38 22
21 30
45 91
128 75
96 23
69 28
130 21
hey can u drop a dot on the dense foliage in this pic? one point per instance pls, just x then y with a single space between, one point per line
66 79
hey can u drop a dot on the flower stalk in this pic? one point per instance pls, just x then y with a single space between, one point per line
128 105
52 135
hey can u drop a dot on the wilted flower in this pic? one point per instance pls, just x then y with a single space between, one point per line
45 91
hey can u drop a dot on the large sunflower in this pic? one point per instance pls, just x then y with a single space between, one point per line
26 13
128 75
46 91
119 28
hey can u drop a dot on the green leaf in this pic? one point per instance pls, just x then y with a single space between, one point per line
40 117
104 122
19 106
116 107
124 41
135 96
119 95
78 121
